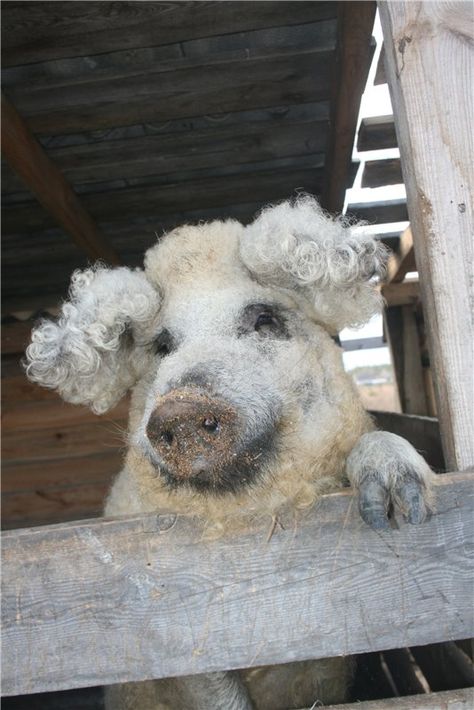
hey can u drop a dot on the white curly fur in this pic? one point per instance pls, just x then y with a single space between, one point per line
82 355
297 245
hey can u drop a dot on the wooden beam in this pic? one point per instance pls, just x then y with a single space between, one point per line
380 77
402 260
379 173
376 133
448 700
429 68
354 52
380 212
28 159
107 601
401 294
405 349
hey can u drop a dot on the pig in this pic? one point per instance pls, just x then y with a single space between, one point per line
240 404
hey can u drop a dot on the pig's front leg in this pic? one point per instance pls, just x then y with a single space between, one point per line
215 691
387 471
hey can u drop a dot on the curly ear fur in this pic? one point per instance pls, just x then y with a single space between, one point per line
86 355
297 245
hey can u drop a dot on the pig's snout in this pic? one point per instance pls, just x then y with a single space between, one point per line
193 434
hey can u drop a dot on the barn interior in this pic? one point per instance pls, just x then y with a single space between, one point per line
121 120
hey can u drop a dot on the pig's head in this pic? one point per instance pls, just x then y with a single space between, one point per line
225 340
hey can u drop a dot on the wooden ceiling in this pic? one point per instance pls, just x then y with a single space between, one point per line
124 119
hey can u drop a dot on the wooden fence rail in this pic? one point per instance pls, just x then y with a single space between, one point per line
104 601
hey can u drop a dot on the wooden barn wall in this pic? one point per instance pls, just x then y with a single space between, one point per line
159 113
58 459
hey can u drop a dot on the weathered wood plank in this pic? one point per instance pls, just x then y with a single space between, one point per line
403 293
54 75
376 133
381 212
47 505
378 173
34 32
28 159
354 52
196 150
148 596
15 337
27 476
426 45
168 198
194 91
83 439
380 77
448 700
403 336
402 260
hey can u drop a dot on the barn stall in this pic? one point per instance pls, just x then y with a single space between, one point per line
122 120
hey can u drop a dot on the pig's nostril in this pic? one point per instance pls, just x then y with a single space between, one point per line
167 437
211 424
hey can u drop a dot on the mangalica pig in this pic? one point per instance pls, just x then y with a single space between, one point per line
240 403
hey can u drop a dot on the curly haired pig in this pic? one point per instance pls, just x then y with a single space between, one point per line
240 403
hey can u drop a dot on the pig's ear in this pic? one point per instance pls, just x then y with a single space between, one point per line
297 245
95 351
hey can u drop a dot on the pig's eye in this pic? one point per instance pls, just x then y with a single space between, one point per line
266 321
163 344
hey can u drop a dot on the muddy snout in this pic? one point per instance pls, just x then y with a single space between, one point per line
193 433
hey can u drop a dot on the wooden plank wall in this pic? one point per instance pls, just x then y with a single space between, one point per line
160 114
58 459
324 584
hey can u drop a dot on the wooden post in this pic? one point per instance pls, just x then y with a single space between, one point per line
354 52
404 344
429 70
45 180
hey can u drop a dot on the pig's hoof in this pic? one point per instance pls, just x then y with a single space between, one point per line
405 492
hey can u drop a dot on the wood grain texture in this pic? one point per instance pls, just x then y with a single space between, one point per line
430 68
196 90
54 75
34 32
354 52
168 198
27 158
113 600
196 150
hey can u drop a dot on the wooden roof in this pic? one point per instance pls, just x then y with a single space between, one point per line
158 113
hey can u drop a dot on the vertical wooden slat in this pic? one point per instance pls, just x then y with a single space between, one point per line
429 69
354 52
